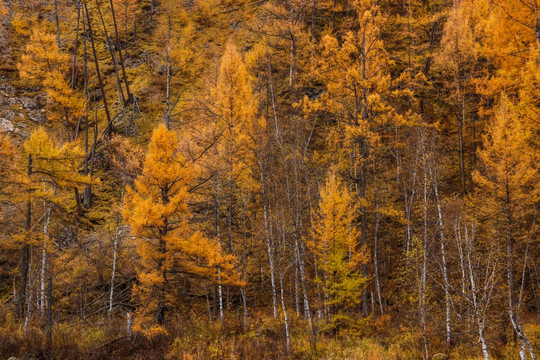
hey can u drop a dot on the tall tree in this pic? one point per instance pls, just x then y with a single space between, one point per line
157 210
335 245
510 187
44 64
233 155
456 59
356 73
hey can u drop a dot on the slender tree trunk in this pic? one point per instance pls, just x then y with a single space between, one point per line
217 224
230 205
434 175
461 117
162 249
513 309
244 264
376 248
409 202
168 95
285 318
30 294
49 312
268 240
422 297
118 48
479 309
461 156
300 244
88 190
461 254
313 19
121 97
307 309
296 287
363 236
98 73
74 61
57 21
23 270
46 219
364 154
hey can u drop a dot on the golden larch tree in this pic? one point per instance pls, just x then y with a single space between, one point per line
157 211
43 64
335 245
509 188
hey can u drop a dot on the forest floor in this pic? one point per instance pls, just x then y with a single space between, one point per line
198 338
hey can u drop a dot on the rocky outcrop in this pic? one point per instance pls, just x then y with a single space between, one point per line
20 108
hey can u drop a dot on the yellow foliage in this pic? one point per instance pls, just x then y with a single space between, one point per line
156 209
126 12
510 163
8 166
236 121
41 55
335 244
44 64
53 163
70 103
458 47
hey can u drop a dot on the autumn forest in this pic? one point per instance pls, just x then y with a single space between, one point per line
271 179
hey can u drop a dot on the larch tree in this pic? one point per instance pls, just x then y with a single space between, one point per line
52 170
508 183
456 60
233 155
44 64
355 71
156 208
10 181
336 249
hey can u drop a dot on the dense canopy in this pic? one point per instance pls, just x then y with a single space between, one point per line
239 179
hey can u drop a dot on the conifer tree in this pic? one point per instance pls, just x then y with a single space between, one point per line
44 64
234 184
456 59
52 171
235 117
355 71
509 184
335 245
157 210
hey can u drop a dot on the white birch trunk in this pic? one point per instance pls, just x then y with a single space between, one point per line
422 299
285 318
46 218
480 316
268 242
434 176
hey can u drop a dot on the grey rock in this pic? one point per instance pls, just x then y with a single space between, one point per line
10 115
6 125
28 103
5 86
37 116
